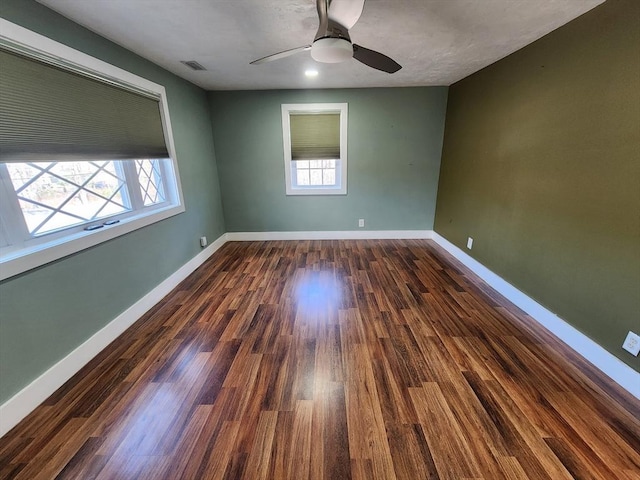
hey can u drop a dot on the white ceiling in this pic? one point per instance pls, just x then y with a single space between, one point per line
438 42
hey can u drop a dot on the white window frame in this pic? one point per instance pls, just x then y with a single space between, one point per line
289 166
57 246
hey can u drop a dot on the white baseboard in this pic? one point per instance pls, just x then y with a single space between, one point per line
330 235
618 371
21 404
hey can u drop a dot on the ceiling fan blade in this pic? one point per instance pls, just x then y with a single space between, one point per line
346 12
375 59
279 55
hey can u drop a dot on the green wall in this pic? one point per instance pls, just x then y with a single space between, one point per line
541 166
394 148
47 312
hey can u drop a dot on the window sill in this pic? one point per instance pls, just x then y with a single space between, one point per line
316 191
15 263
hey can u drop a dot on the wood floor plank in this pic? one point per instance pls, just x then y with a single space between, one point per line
208 435
189 445
260 451
366 428
56 453
595 439
299 448
451 454
222 451
331 360
330 453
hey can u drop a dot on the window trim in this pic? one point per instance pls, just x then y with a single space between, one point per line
26 41
341 172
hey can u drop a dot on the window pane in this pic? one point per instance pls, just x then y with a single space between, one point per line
150 179
315 163
316 177
105 181
75 172
47 219
45 189
21 173
87 205
302 177
329 176
59 195
302 163
328 164
35 215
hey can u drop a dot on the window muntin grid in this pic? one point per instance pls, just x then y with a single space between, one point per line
150 181
48 197
315 173
57 195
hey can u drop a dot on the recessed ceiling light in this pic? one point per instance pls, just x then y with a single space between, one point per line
311 73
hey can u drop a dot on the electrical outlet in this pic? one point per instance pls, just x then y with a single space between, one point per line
469 243
632 343
361 222
203 241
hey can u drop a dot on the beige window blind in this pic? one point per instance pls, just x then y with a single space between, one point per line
53 114
315 136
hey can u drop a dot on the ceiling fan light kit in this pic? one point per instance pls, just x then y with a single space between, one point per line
332 43
331 50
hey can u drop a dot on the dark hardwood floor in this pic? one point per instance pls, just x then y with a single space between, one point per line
335 360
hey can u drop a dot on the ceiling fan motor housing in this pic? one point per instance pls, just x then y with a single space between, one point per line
332 43
331 50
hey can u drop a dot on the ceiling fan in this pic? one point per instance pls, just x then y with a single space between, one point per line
332 43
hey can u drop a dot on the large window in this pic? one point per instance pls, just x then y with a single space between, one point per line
46 197
86 151
315 148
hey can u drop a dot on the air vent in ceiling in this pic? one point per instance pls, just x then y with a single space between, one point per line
193 65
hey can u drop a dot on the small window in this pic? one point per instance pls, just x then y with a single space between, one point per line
86 152
315 148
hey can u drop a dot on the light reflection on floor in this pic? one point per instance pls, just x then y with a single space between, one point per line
317 292
152 416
